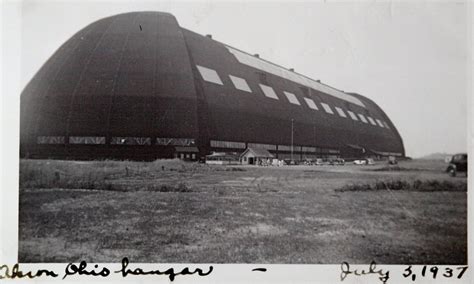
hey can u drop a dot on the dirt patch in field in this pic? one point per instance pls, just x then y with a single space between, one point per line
261 215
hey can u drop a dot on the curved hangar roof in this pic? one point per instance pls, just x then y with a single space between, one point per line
139 78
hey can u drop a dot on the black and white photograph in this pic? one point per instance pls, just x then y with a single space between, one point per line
237 132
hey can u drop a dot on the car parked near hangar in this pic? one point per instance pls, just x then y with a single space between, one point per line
457 163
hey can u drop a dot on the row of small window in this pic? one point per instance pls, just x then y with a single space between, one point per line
98 140
306 156
270 147
268 67
211 75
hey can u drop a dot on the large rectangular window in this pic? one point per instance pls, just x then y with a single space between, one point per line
291 98
86 140
371 120
240 84
379 122
50 140
308 149
362 117
352 115
175 141
340 112
130 141
288 148
262 146
327 108
310 103
227 144
209 75
268 91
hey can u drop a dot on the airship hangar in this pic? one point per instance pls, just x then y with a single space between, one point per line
139 86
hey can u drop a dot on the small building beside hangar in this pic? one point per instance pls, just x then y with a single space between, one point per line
256 156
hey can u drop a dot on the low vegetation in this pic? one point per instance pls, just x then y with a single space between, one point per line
180 187
395 169
170 211
104 175
399 184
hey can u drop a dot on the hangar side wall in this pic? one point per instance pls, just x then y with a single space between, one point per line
243 116
122 77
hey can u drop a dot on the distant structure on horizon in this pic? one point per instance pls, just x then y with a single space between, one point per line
138 86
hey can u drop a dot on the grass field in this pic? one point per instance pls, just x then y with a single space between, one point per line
172 211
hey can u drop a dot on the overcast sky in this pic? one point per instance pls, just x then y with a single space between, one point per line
410 58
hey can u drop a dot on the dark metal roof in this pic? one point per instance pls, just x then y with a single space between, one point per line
114 79
236 115
260 153
135 75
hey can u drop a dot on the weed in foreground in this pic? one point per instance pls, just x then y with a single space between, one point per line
180 187
398 184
